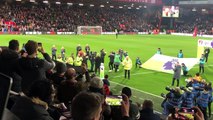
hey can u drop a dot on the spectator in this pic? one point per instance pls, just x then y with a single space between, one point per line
67 88
34 106
106 85
87 106
106 80
96 85
32 68
198 115
8 62
133 108
58 76
147 111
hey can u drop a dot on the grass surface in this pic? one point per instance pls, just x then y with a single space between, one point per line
146 84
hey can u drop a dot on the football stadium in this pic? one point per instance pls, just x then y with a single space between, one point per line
106 59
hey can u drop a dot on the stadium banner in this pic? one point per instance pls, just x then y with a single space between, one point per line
143 33
201 44
188 34
33 33
205 43
65 33
108 33
164 63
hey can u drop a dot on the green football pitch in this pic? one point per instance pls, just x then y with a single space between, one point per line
146 84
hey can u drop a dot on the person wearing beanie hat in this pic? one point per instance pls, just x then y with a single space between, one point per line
58 76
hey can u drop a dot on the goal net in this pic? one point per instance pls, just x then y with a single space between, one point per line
89 30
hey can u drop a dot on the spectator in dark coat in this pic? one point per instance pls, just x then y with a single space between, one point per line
32 68
58 76
67 89
133 108
71 86
147 111
35 105
8 62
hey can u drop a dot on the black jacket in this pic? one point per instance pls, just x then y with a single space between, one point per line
25 109
8 65
33 69
147 114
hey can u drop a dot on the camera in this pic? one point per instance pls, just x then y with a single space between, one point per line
169 89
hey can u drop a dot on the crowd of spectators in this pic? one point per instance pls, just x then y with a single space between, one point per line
202 21
64 18
32 17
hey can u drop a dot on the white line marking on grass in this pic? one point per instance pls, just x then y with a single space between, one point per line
137 89
142 73
204 66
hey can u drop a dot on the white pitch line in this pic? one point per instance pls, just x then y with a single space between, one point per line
204 66
136 89
142 73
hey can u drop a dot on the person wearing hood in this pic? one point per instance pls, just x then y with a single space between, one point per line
35 105
32 68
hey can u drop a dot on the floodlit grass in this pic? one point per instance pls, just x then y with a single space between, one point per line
143 46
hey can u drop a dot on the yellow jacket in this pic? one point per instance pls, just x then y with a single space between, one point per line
70 60
127 64
78 61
